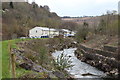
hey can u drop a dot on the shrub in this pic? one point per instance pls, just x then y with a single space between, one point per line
62 62
82 32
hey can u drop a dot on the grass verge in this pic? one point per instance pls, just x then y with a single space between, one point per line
5 68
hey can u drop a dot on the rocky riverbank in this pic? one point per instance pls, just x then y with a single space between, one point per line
106 61
27 57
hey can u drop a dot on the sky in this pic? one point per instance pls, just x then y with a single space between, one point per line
75 8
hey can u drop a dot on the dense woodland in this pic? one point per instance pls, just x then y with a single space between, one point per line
18 18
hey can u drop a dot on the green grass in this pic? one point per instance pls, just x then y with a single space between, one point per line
20 72
5 68
5 60
0 60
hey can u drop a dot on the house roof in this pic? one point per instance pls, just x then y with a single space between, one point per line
44 28
66 30
51 29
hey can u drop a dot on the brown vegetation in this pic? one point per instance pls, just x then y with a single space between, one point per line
18 18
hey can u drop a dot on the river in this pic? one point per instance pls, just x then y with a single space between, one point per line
80 69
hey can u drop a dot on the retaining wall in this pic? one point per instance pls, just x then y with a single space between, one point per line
110 48
100 52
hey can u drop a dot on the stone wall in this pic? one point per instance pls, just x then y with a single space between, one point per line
110 48
103 60
100 52
114 63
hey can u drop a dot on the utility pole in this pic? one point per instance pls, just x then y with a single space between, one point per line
26 29
26 26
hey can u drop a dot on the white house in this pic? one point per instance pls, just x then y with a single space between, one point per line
53 32
44 32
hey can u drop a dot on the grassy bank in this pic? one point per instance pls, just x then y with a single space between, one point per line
6 67
5 58
36 50
0 60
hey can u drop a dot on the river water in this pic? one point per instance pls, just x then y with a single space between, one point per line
79 67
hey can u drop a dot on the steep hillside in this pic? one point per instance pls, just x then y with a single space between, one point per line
81 20
18 18
93 21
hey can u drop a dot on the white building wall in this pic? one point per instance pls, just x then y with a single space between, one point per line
56 33
37 32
